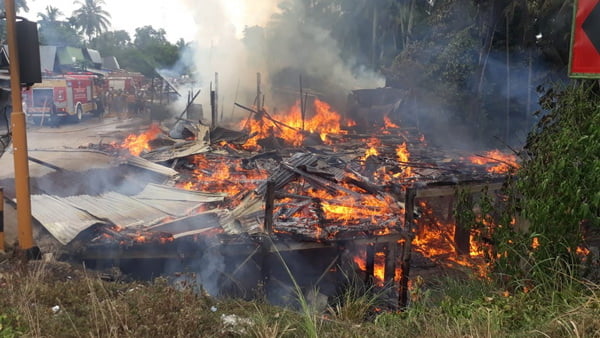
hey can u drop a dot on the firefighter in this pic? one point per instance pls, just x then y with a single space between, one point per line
110 100
131 102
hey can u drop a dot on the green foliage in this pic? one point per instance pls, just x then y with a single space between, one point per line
53 31
6 328
91 18
560 178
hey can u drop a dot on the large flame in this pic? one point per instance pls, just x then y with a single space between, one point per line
213 174
292 129
136 144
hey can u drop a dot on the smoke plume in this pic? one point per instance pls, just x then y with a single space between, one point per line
238 39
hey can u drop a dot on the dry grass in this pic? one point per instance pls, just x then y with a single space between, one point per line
57 300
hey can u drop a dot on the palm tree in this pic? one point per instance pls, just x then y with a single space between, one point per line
51 15
91 18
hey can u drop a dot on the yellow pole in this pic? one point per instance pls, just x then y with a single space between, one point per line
25 235
2 248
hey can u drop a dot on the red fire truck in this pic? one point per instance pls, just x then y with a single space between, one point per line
64 96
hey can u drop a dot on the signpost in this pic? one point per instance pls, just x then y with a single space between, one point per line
584 61
21 163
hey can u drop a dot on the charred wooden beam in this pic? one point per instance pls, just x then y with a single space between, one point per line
269 205
370 263
391 256
409 225
462 231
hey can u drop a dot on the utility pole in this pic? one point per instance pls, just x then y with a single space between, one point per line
19 136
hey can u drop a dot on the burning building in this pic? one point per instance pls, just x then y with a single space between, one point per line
303 196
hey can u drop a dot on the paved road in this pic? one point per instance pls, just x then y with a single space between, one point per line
55 146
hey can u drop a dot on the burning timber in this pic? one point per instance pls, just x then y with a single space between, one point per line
307 191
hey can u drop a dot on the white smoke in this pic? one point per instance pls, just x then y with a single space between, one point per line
280 48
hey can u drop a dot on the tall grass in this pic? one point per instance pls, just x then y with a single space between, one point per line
442 307
310 320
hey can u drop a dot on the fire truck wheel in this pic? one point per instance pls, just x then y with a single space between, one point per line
79 115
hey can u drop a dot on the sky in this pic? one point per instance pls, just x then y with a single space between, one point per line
172 15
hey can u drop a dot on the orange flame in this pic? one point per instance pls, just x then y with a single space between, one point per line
379 268
388 123
503 161
404 157
136 144
324 122
373 144
214 174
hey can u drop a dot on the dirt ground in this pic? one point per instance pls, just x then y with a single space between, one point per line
52 145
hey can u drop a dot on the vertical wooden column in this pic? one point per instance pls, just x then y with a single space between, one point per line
216 116
269 204
370 263
409 211
390 262
462 232
259 94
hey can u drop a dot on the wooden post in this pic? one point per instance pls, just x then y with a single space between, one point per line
269 204
370 263
409 218
2 248
216 116
189 98
390 262
162 87
152 91
462 233
213 114
302 104
259 102
409 209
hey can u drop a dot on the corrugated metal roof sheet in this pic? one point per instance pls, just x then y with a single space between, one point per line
66 217
183 149
139 162
94 56
60 218
163 192
121 210
110 62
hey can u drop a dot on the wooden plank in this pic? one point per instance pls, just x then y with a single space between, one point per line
450 190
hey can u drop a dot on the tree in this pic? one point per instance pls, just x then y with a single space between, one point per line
20 5
53 31
51 16
108 43
91 19
154 50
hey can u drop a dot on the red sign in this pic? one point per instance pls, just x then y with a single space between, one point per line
585 40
